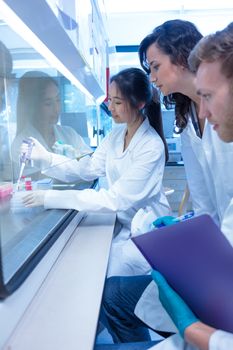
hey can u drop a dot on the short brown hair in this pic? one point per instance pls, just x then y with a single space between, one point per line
215 47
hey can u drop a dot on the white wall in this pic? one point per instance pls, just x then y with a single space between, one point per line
131 28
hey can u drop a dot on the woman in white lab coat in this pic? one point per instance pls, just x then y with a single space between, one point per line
164 54
132 158
207 160
38 112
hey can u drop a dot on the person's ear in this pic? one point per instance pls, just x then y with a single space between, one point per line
141 105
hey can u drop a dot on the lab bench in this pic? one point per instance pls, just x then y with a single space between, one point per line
57 307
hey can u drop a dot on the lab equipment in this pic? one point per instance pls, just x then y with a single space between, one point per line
24 158
186 216
60 147
44 184
6 189
28 183
174 148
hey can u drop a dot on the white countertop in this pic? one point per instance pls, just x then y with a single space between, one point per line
64 312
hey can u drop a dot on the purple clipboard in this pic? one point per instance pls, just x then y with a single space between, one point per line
197 261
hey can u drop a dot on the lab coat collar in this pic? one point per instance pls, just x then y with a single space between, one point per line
138 134
119 142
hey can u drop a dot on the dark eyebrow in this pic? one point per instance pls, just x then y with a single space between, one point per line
51 98
117 98
199 92
153 62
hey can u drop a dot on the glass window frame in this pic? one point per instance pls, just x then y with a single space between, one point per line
83 78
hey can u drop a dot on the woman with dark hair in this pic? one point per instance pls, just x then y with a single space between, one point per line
38 112
164 55
132 158
174 39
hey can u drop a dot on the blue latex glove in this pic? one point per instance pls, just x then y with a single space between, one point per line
175 306
164 221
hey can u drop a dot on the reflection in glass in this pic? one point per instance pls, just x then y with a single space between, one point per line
38 113
32 104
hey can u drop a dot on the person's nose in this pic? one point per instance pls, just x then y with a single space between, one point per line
110 106
153 78
203 110
57 107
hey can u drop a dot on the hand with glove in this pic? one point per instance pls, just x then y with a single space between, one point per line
34 198
170 220
39 154
175 306
164 221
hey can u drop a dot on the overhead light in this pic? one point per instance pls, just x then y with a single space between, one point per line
9 16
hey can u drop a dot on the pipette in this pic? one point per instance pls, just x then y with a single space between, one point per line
184 217
24 158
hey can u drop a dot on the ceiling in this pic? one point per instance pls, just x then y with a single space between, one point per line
129 21
132 6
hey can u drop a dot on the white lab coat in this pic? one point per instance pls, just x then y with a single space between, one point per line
218 341
62 133
134 178
209 174
209 169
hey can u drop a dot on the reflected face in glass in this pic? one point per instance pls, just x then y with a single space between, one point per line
163 73
118 106
50 107
216 94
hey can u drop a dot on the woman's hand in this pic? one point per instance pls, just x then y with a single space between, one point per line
34 199
39 154
164 221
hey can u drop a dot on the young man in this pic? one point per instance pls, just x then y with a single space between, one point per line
212 61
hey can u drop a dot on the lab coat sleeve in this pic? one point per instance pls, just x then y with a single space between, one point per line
150 310
136 184
76 140
174 342
201 201
221 340
87 168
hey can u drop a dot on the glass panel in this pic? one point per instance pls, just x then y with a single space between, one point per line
75 16
35 101
106 122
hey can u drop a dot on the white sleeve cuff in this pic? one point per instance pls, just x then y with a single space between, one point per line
221 340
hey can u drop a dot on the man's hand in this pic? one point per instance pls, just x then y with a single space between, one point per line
175 306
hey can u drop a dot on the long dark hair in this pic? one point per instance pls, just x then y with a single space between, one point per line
154 114
135 86
175 38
